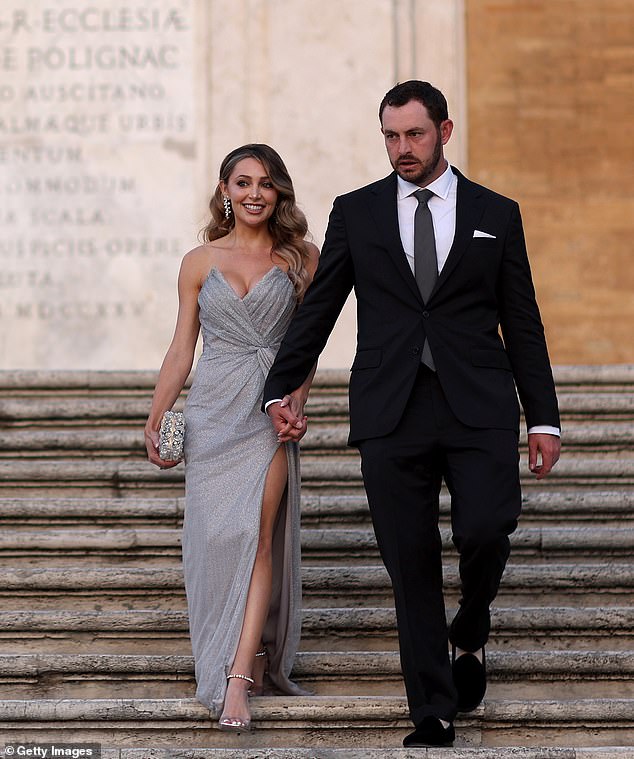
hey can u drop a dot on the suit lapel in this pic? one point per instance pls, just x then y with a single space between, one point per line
470 205
384 211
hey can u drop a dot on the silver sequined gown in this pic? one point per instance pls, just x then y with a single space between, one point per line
229 444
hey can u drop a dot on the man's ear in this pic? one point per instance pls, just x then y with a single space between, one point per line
446 128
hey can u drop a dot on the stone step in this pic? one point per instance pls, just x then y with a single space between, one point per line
78 441
129 407
566 674
356 585
577 506
116 477
543 505
520 581
337 628
345 472
26 381
330 541
27 512
570 376
513 628
126 407
39 547
576 543
306 722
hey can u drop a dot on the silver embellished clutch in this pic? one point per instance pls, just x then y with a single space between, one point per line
172 436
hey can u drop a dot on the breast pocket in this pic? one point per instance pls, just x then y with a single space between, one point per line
484 246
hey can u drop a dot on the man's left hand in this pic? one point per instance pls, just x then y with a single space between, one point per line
544 445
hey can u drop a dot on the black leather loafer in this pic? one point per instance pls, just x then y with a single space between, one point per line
470 679
430 733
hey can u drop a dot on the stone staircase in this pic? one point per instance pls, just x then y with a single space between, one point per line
93 629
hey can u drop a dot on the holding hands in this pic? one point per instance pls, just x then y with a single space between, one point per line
288 418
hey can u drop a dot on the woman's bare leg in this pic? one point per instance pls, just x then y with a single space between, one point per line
259 597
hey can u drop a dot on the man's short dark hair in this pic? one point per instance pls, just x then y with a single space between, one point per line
424 92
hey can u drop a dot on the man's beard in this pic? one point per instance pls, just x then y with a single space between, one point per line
425 170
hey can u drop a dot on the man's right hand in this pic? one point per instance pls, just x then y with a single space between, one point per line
288 419
546 446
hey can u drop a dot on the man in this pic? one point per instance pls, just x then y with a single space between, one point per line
437 274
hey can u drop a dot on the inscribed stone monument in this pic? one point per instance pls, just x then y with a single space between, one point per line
97 152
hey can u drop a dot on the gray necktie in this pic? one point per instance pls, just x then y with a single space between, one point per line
425 261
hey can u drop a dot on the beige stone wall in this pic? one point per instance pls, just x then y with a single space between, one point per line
115 118
550 93
99 178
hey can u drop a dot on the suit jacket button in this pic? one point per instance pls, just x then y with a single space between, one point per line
426 314
415 350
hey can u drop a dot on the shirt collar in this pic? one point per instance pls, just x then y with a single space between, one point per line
440 186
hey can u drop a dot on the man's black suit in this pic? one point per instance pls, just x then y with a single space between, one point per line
462 422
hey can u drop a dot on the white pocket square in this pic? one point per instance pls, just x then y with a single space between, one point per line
478 233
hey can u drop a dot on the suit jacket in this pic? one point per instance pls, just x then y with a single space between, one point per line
484 286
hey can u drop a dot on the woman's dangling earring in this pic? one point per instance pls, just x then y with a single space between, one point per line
227 205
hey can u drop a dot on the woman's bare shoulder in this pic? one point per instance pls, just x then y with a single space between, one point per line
198 253
197 262
206 252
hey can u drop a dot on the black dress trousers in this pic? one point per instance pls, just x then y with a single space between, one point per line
402 473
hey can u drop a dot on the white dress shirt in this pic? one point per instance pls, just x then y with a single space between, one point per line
442 207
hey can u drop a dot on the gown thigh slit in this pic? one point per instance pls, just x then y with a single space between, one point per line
229 447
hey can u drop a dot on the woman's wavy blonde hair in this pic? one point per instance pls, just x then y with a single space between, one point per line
287 225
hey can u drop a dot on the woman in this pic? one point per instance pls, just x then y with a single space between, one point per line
241 549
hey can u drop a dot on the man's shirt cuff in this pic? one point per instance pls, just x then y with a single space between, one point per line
268 403
542 428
